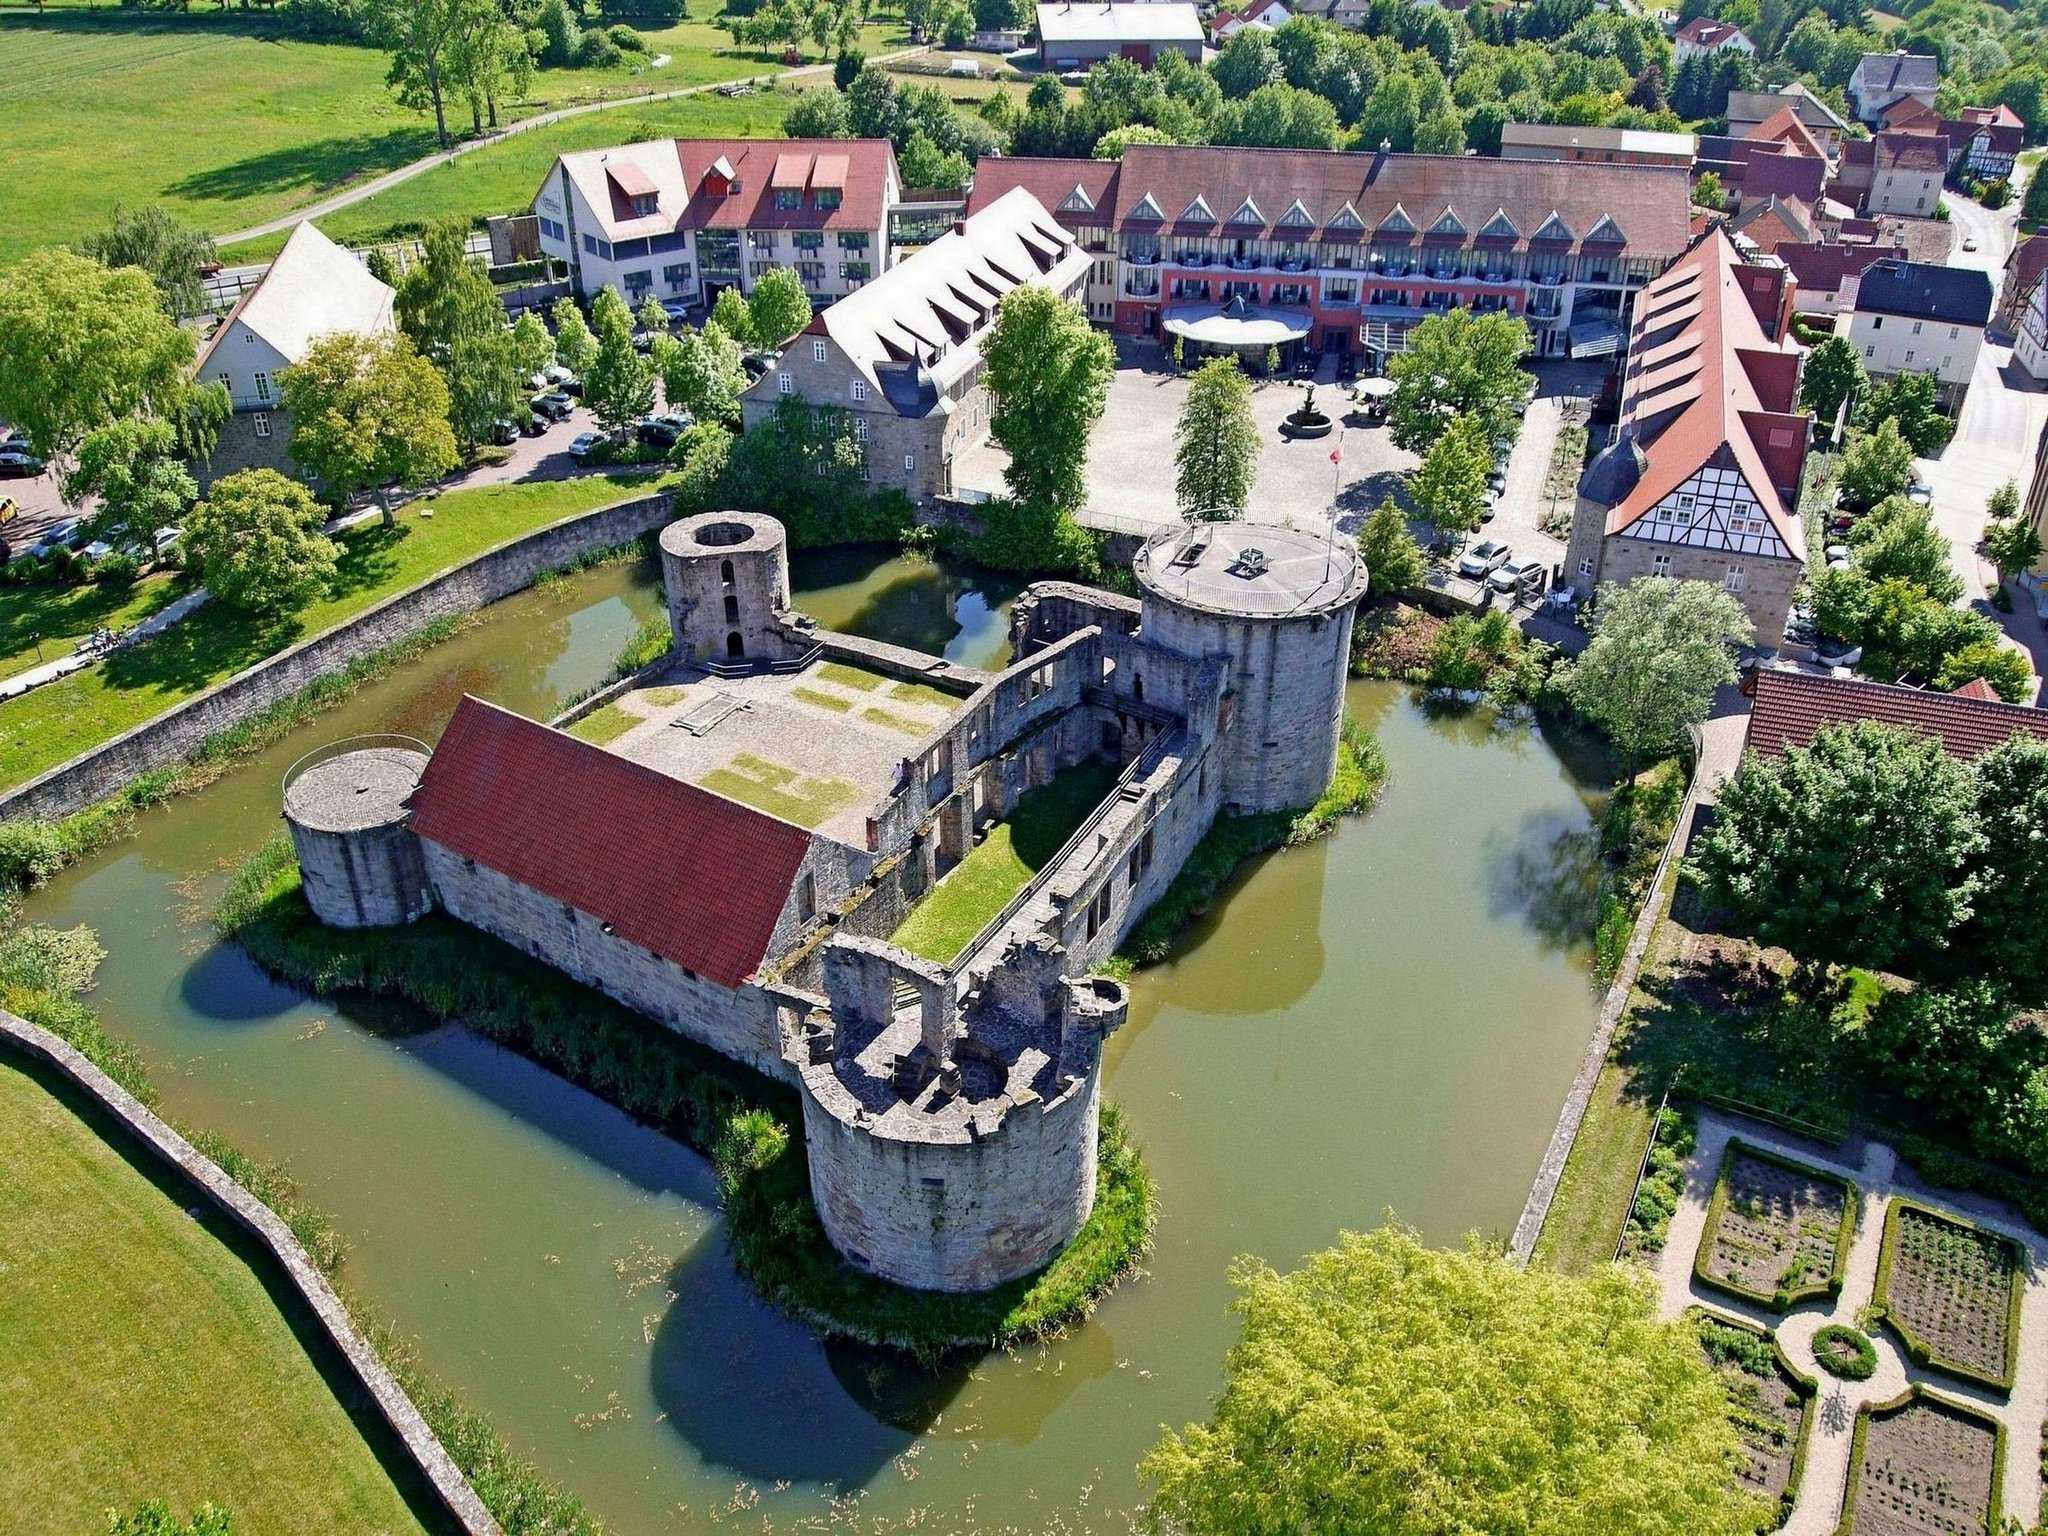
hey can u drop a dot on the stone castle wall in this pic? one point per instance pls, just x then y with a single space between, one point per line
175 734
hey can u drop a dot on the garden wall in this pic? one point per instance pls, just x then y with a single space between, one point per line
263 1224
173 735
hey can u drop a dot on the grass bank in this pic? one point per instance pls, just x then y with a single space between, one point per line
749 1126
55 723
1354 789
44 622
204 1385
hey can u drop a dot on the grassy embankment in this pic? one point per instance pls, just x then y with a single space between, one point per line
149 1355
228 122
749 1126
44 622
62 719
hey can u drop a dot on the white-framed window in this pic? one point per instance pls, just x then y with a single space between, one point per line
1909 355
262 420
1684 502
263 387
1736 580
1871 350
860 429
1660 565
1916 326
1586 567
817 351
860 389
784 384
910 463
1955 333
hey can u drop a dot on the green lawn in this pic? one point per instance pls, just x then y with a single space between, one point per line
40 623
228 122
975 889
145 1358
42 729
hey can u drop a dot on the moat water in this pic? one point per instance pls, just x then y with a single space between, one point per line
1385 1021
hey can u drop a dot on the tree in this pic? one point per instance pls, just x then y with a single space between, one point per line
2003 502
1876 465
154 1518
532 347
1897 541
731 313
2000 665
368 413
378 263
257 544
2008 875
82 346
1393 560
418 34
449 309
1450 484
701 373
1834 373
1850 850
1659 650
924 164
1707 193
2013 546
1458 364
1246 62
651 318
1218 443
1111 145
575 347
1909 399
136 470
816 115
779 309
489 58
173 256
1387 1389
1048 373
619 386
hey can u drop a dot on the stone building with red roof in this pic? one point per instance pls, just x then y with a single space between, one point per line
1702 479
681 219
1348 252
1791 705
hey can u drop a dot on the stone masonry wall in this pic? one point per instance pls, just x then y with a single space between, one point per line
175 734
1768 583
738 1023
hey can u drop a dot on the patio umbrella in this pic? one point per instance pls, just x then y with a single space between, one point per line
1373 389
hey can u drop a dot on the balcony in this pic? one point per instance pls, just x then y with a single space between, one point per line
1142 288
1196 259
1143 258
1546 280
1544 309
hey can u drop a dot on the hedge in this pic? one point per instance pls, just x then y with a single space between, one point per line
1921 1352
1779 1300
1995 1506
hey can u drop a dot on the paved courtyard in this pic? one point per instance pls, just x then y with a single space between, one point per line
1880 1176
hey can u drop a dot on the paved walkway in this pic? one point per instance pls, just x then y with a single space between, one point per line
1878 1176
78 661
420 167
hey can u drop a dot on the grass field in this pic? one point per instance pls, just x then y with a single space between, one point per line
145 1358
42 623
228 123
1016 848
58 721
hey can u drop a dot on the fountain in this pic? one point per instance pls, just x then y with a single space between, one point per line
1305 420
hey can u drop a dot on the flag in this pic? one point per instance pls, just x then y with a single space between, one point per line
1337 454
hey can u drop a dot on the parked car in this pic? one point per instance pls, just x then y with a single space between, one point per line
64 535
1497 482
1969 242
1831 652
677 310
15 459
662 431
504 431
735 88
165 538
1523 578
534 425
555 406
1483 558
584 444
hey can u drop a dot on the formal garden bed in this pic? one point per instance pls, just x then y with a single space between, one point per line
1921 1463
1845 1352
1951 1291
1777 1231
1770 1404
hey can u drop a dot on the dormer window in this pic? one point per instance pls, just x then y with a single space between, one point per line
732 188
646 205
828 198
789 198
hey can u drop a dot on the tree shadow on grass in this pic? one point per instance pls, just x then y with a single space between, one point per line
212 643
369 559
326 165
53 612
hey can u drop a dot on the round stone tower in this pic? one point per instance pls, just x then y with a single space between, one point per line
359 863
727 576
1278 602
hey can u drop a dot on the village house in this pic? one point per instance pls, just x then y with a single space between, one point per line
1749 109
1605 146
903 355
1074 36
682 219
1882 80
1916 317
1701 481
2024 266
1906 173
1704 35
313 288
1269 17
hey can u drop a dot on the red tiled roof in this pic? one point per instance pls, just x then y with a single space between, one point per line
693 178
1783 127
1650 204
1823 268
2023 268
1791 707
1912 151
694 877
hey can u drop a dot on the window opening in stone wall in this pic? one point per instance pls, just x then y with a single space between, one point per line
734 645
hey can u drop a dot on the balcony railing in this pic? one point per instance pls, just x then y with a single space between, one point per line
1546 279
1143 258
1141 288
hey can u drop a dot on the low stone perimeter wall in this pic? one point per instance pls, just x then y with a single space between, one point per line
173 735
263 1224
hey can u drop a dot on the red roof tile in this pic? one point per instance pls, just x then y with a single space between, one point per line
694 877
1791 707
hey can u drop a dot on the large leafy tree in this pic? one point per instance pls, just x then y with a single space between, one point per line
1852 850
257 543
1458 364
449 309
575 347
735 316
1048 372
1393 560
780 307
1246 62
1910 400
135 469
1387 1389
1659 650
82 346
2009 872
1449 486
2013 545
1218 443
368 413
1898 541
1875 465
619 384
701 373
421 36
1833 374
174 257
532 347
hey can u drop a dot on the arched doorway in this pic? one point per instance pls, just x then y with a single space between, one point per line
735 647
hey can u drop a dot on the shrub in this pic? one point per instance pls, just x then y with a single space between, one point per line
626 39
1845 1352
117 570
597 51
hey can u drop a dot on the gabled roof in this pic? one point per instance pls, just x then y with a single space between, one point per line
313 288
1901 72
1706 32
1755 106
1096 21
1902 151
2023 268
1920 290
694 877
730 184
1792 706
1783 127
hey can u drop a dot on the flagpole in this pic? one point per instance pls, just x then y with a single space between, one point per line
1336 491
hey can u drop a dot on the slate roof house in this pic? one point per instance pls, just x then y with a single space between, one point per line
1883 79
314 288
1916 317
1748 109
